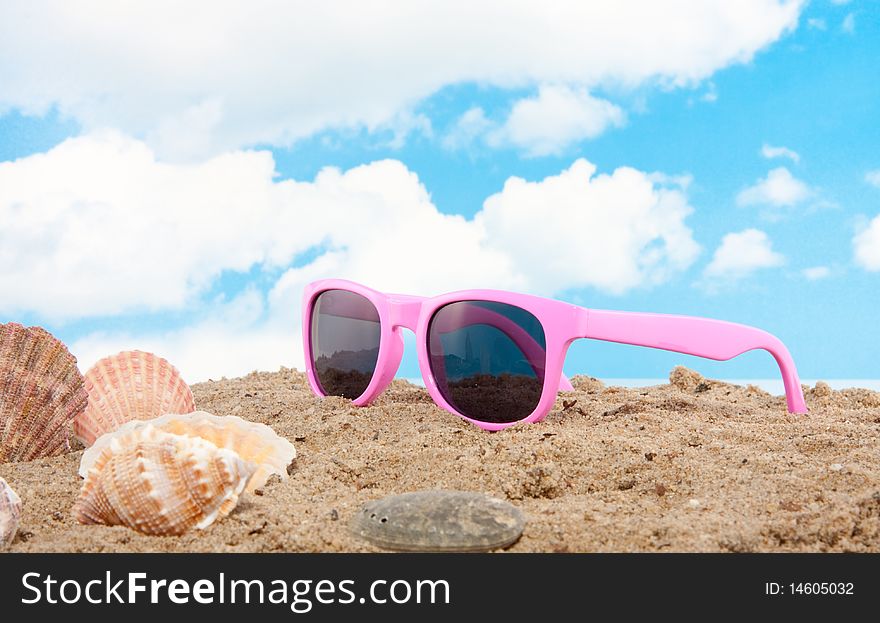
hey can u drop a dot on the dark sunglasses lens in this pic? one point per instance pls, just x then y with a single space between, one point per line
345 336
488 359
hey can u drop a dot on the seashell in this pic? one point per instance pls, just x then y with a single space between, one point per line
159 483
41 392
131 385
10 512
439 521
253 442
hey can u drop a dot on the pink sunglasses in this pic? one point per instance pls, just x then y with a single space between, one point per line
492 357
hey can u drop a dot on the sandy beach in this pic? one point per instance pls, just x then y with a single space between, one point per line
693 465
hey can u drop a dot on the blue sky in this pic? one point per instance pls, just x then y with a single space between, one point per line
813 89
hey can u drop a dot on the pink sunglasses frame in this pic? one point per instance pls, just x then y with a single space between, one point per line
563 323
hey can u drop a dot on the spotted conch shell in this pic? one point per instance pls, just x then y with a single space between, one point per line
41 392
10 512
159 483
252 441
131 385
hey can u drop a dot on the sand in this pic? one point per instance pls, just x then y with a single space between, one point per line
693 465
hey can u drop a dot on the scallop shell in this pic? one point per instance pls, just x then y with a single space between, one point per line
10 512
131 385
254 442
159 483
41 392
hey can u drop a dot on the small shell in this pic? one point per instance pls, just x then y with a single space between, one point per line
439 521
10 512
162 484
41 392
131 385
253 442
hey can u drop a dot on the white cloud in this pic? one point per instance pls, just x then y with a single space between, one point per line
779 189
405 124
873 178
817 23
471 126
104 228
239 336
848 25
742 253
866 245
815 273
711 94
199 78
769 151
556 118
96 226
545 124
576 229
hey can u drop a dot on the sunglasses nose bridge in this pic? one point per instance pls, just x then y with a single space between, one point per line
404 312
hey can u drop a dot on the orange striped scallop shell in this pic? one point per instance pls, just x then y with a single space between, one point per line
131 385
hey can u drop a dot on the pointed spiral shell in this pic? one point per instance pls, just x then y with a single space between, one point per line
159 483
252 441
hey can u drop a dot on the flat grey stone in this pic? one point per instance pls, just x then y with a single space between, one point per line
439 521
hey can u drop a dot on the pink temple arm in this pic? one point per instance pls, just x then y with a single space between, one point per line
713 339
